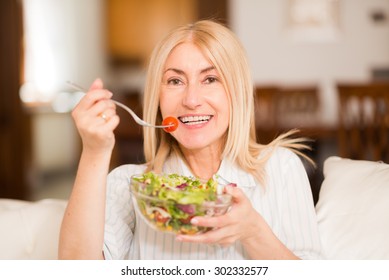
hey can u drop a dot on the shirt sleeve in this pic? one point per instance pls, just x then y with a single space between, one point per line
119 214
298 214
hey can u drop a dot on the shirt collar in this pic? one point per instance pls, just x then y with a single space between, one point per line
229 171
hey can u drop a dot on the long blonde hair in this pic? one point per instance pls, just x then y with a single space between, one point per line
225 52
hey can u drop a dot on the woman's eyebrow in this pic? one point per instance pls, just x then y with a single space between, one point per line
181 72
178 71
205 70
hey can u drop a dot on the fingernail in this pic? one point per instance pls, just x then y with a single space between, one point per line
99 81
194 221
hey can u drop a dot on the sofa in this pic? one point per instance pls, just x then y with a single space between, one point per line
353 209
352 212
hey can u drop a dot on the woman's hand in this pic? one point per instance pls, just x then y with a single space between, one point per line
95 118
242 222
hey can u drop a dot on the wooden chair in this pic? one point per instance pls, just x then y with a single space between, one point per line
279 109
363 131
298 107
266 120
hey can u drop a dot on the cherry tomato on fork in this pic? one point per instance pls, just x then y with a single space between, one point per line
170 121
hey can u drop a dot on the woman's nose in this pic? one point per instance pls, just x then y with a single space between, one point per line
192 98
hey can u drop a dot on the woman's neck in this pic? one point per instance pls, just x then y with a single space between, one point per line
203 164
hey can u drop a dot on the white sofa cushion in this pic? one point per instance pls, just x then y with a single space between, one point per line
353 209
30 230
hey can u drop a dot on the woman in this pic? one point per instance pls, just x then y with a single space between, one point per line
200 75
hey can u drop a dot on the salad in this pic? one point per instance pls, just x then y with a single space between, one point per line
168 202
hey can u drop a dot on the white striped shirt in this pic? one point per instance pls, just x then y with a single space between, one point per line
285 203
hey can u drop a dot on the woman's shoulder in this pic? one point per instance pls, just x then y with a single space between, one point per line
127 170
118 181
282 159
280 165
130 167
279 154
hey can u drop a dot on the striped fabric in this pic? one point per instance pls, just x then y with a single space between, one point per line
285 203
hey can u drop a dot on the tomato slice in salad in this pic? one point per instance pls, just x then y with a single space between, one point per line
160 218
172 121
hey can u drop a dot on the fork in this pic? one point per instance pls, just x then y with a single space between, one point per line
134 116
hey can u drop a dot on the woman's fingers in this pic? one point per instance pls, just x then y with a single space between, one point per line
104 106
109 118
237 194
92 97
97 84
99 113
95 117
112 122
230 227
213 236
231 217
95 102
96 93
213 222
107 113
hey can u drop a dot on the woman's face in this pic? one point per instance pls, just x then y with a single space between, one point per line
192 92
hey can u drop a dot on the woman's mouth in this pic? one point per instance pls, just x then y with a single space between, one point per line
194 120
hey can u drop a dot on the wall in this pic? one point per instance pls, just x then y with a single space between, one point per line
64 41
76 38
275 59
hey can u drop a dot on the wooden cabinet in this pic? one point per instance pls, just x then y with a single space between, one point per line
14 138
134 26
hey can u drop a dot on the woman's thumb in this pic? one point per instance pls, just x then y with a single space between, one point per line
235 192
97 84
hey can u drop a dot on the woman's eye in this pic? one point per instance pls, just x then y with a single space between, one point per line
174 82
210 80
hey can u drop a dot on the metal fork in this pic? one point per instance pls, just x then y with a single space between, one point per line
134 116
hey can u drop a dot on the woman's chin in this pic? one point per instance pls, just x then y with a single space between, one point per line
194 144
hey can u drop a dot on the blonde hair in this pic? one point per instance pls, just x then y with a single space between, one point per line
225 52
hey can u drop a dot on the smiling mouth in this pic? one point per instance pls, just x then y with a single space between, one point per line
193 120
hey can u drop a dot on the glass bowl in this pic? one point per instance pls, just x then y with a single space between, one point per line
168 202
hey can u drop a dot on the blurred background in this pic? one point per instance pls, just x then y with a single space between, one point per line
318 65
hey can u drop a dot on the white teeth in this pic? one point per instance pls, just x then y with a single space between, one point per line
195 119
194 123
